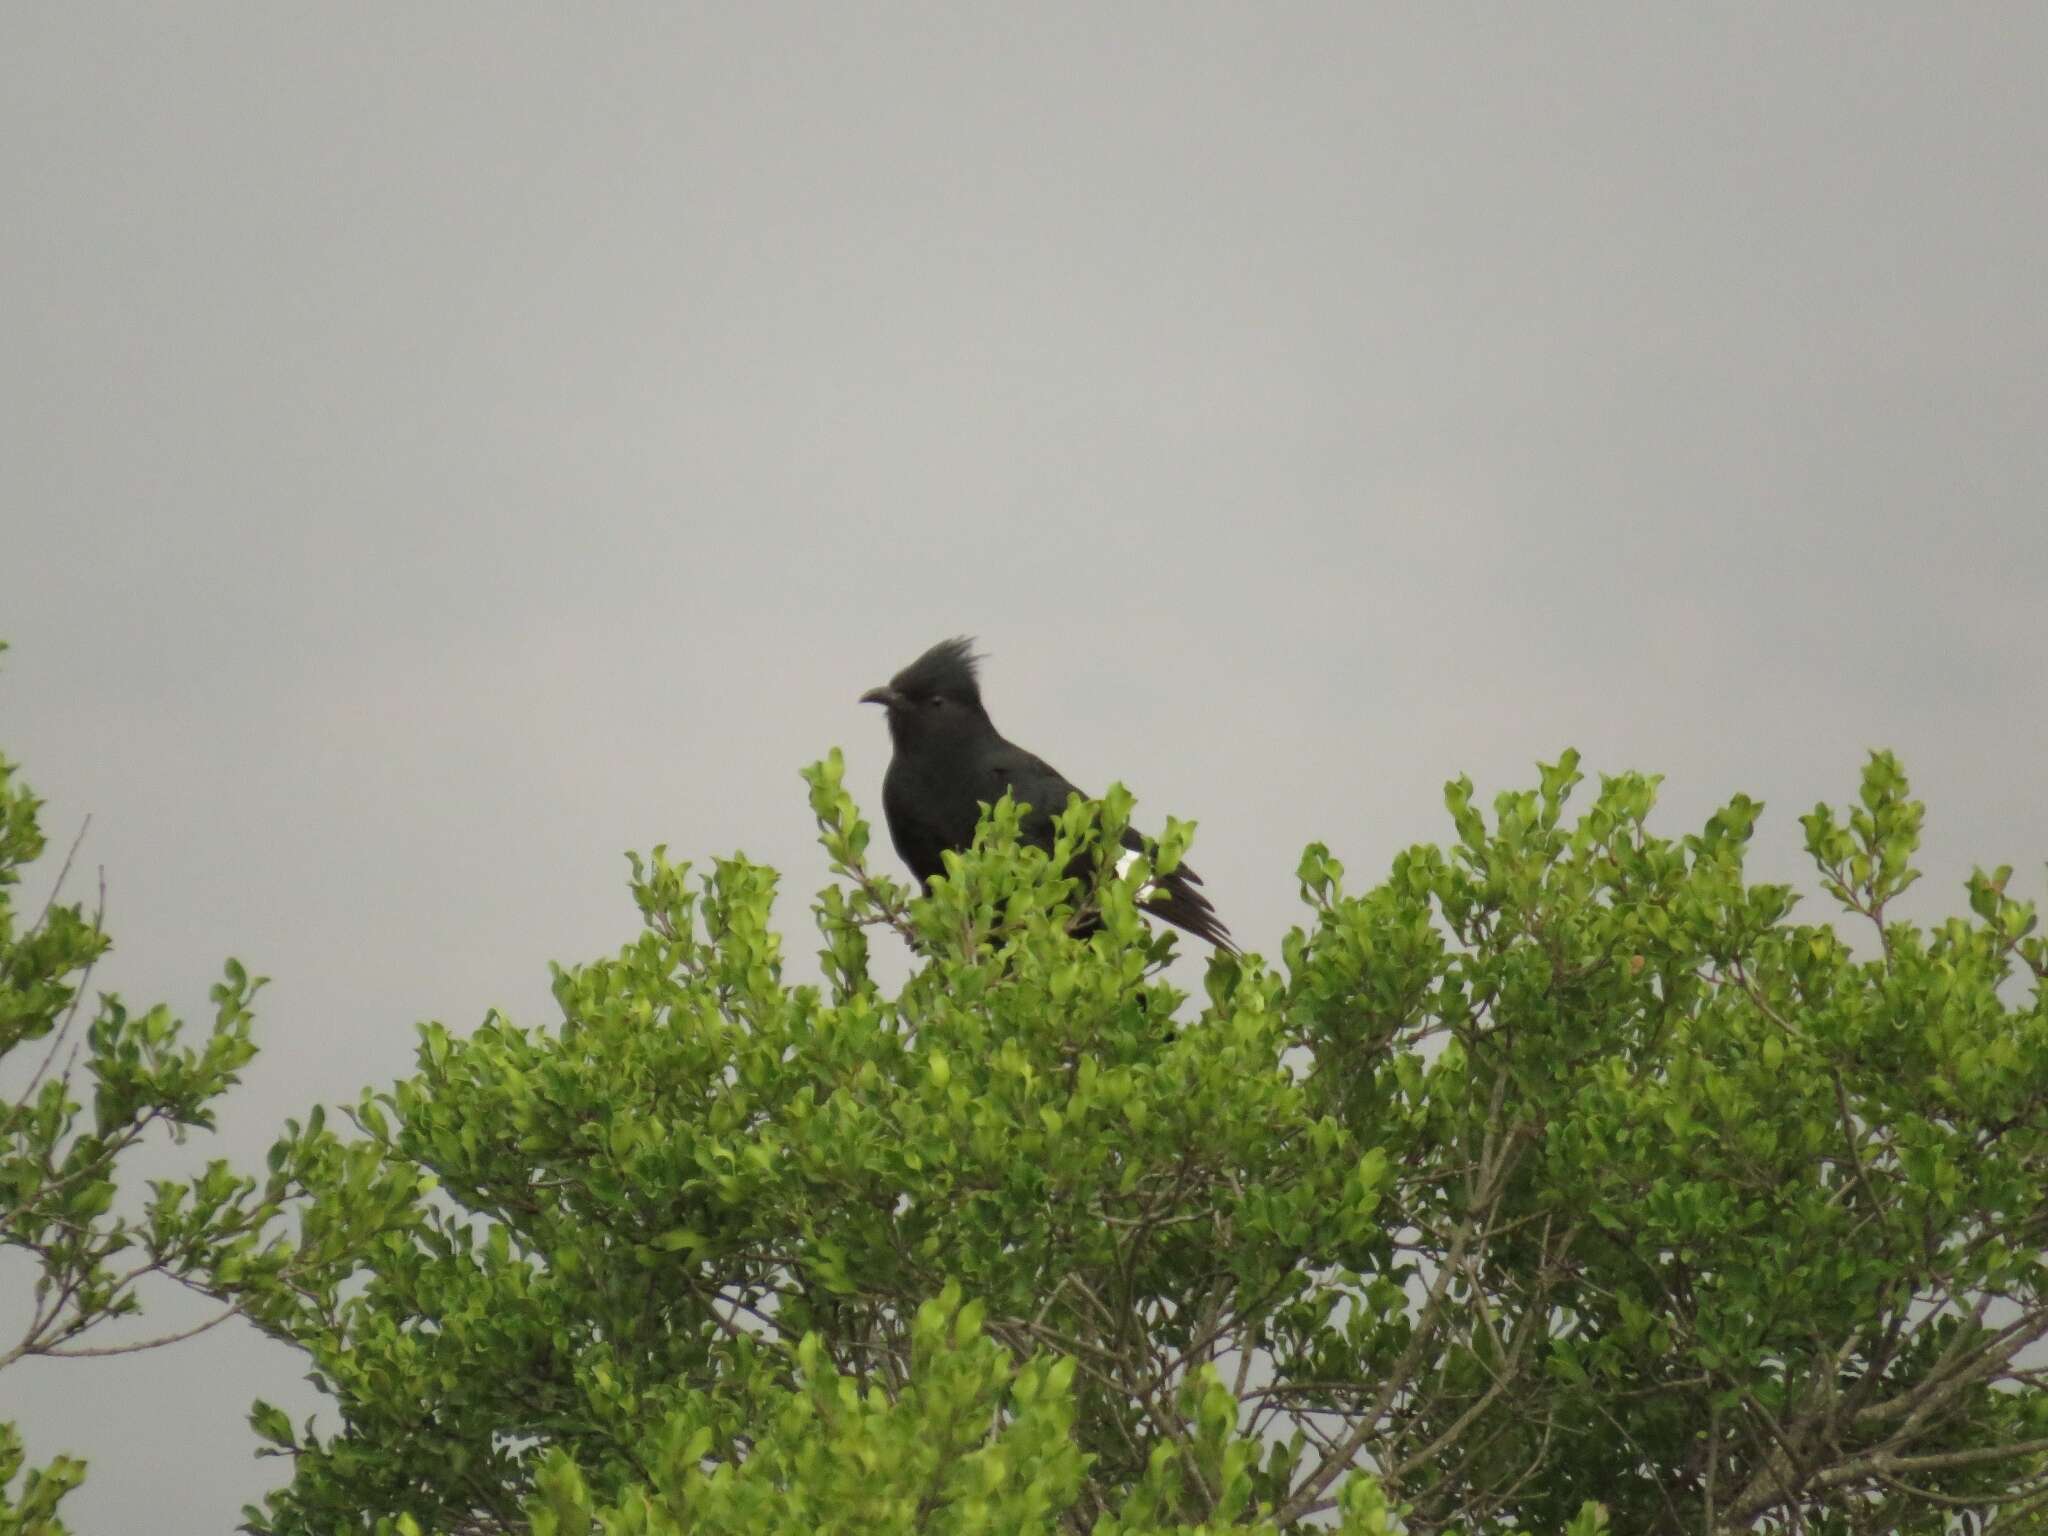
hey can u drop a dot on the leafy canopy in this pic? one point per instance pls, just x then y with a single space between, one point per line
1560 1177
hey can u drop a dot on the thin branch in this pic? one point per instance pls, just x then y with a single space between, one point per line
98 1351
1493 1161
63 874
58 1036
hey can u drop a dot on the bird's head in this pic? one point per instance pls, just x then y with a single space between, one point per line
935 698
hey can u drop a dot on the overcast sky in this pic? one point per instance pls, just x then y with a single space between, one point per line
444 447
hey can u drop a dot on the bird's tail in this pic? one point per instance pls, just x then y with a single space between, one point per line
1176 898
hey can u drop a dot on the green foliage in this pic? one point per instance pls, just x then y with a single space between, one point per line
1560 1177
73 1112
33 1511
77 1109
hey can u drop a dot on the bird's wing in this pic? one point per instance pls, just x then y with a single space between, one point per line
1045 789
1034 781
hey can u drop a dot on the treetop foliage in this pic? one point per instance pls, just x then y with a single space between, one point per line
1563 1179
1561 1176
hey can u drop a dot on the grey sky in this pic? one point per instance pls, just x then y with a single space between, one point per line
445 447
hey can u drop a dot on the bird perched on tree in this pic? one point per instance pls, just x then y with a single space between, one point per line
950 760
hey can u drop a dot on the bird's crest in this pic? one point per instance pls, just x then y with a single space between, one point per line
948 667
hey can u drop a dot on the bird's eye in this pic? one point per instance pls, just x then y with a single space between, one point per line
936 700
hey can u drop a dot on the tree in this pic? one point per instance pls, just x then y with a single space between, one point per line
1559 1177
132 1079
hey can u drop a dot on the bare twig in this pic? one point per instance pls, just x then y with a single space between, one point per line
92 1352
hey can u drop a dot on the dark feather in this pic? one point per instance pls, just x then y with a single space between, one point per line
950 667
1175 898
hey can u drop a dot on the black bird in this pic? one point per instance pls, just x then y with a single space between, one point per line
950 760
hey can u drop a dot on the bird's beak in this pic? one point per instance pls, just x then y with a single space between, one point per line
888 698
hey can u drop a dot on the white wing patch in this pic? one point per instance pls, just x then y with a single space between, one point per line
1123 867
